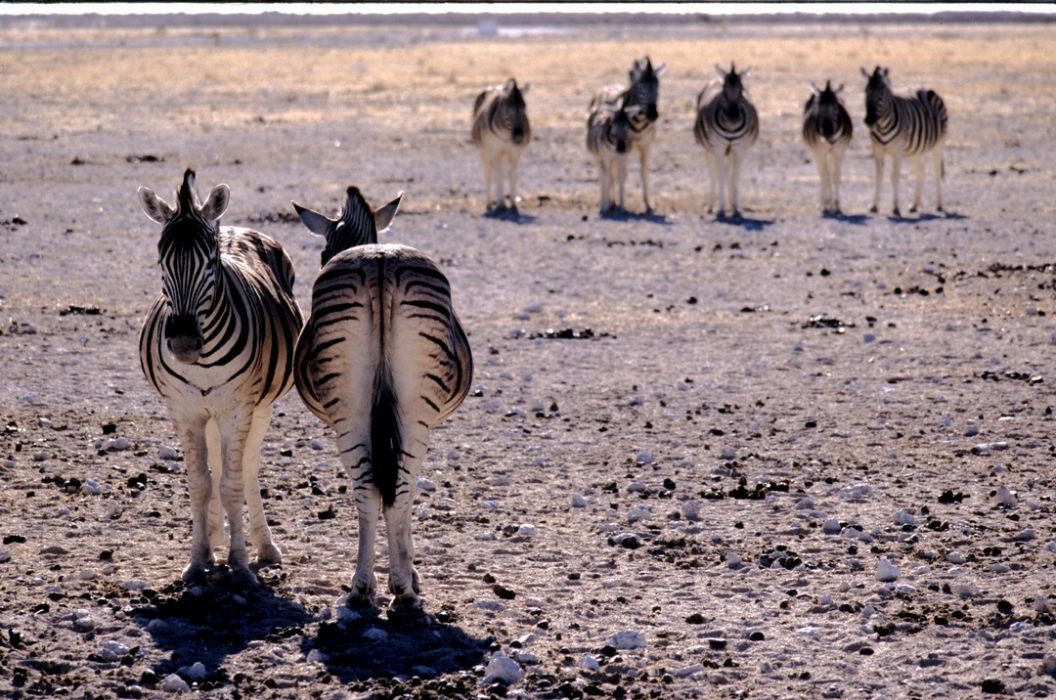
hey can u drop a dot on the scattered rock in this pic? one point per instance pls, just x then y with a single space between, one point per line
172 683
503 669
627 639
886 571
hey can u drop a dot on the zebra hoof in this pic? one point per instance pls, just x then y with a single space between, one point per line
873 209
269 556
896 213
243 577
193 574
913 209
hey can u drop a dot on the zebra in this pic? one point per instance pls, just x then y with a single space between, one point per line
827 130
218 346
642 94
382 360
608 139
501 132
727 125
904 127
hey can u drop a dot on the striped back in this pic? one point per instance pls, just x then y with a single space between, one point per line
232 290
825 119
500 111
724 114
914 124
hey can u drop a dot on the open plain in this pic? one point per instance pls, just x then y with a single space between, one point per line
782 456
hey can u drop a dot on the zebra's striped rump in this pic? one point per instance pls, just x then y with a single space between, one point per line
724 114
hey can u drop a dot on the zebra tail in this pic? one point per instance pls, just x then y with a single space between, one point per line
386 443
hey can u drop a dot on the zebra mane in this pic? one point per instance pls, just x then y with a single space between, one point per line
355 226
187 201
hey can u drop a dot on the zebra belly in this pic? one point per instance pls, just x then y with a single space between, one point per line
496 147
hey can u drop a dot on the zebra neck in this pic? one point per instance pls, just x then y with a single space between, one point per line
221 318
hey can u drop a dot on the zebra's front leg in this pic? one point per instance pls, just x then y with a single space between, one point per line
191 430
918 186
501 162
621 178
216 469
713 176
606 184
878 162
234 432
514 160
822 166
896 167
259 532
643 161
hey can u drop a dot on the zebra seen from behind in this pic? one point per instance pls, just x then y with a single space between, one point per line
218 345
501 132
608 139
827 130
382 360
640 99
726 126
904 127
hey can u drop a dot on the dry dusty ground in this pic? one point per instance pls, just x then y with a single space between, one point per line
766 410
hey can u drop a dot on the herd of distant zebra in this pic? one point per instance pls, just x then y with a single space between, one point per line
382 358
622 120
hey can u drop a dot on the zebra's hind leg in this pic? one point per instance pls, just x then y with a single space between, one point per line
355 455
938 169
259 532
404 583
735 177
606 185
918 185
713 177
835 174
821 162
621 178
720 170
234 431
191 430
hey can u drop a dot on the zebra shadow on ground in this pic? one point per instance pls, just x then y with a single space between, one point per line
623 215
925 217
362 645
748 223
207 623
856 219
514 217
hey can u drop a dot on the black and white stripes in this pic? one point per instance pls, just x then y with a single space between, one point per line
382 360
827 130
727 125
218 346
608 140
904 127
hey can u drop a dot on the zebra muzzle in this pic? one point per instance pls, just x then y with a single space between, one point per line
183 337
651 113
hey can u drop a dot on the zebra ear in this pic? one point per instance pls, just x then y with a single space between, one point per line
746 72
814 88
839 89
383 216
156 208
216 204
865 72
313 221
720 71
525 88
659 70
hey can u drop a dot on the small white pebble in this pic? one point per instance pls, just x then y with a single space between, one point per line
637 513
134 585
1026 534
691 510
87 574
590 663
627 639
194 672
43 422
489 605
904 518
636 487
644 457
955 557
168 453
112 650
316 444
317 657
92 487
578 501
886 571
527 530
971 429
503 669
1006 498
831 526
728 453
172 683
425 485
118 444
454 456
